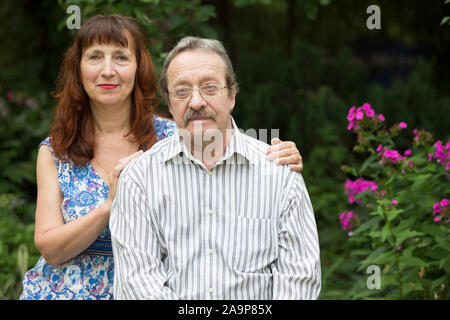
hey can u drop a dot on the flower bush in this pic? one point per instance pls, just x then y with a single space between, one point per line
399 215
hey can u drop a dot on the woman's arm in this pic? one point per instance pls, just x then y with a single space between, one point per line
57 241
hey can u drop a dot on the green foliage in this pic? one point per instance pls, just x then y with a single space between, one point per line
446 19
398 232
17 250
24 123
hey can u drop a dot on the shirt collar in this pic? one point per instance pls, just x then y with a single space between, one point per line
237 145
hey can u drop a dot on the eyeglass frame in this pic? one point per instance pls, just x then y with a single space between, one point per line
199 91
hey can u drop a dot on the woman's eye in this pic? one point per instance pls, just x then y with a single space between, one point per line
94 57
123 58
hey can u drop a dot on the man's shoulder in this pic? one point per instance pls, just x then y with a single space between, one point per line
257 152
150 157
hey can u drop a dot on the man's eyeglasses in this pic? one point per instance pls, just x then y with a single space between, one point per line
185 93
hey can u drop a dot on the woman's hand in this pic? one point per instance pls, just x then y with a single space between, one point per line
285 152
114 176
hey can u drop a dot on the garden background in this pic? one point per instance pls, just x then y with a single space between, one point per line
301 65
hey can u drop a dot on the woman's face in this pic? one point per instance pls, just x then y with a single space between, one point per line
108 73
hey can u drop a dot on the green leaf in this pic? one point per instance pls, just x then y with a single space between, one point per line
403 225
385 232
367 225
445 20
412 262
368 162
384 258
420 182
392 214
406 234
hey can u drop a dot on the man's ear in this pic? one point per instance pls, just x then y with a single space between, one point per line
233 93
167 100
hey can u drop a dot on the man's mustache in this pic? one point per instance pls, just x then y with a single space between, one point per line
201 113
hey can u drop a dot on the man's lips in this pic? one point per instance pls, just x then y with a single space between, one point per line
108 86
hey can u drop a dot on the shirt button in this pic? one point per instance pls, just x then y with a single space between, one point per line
210 290
210 172
210 251
211 212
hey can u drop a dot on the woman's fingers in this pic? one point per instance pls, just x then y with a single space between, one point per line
114 177
285 152
282 145
124 161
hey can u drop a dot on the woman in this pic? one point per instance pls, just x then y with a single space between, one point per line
104 118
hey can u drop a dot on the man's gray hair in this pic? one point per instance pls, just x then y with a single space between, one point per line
194 43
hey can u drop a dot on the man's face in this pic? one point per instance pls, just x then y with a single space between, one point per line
194 69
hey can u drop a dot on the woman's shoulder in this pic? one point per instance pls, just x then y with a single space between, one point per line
46 142
164 127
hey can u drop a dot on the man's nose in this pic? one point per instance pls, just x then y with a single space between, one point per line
197 100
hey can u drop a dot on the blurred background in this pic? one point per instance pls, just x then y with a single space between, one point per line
300 64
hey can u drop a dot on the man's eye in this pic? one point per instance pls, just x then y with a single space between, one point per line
182 91
210 88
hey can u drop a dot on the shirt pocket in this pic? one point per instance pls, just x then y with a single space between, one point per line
255 244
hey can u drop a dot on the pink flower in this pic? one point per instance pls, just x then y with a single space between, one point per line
441 209
381 117
349 220
391 155
441 154
366 107
353 188
359 115
370 113
415 132
407 152
379 147
394 202
410 164
403 125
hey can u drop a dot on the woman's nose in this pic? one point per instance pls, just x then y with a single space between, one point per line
108 68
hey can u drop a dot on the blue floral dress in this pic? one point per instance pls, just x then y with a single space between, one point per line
89 275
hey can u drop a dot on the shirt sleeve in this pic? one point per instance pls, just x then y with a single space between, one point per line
296 272
139 272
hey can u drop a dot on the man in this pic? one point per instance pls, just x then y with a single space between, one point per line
204 214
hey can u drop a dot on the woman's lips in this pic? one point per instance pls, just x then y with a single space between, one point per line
108 86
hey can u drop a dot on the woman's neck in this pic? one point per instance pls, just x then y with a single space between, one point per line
111 119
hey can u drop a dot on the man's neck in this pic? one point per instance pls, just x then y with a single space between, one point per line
210 147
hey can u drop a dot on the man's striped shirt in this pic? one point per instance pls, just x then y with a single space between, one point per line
244 229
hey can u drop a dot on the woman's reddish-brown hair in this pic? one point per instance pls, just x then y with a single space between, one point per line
72 132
